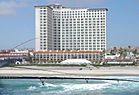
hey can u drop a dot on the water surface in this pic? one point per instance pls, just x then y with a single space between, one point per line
68 87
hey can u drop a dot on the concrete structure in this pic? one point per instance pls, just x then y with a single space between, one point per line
62 28
119 62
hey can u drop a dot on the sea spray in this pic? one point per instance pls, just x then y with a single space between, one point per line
31 88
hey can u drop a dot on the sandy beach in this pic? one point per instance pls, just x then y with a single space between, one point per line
82 71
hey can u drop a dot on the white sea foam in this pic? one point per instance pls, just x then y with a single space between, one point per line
53 88
84 86
118 77
114 82
71 87
47 85
68 87
32 88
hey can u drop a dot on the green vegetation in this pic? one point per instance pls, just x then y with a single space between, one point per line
47 65
72 65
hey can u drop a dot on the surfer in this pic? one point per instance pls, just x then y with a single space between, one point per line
42 81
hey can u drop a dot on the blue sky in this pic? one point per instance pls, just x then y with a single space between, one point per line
17 20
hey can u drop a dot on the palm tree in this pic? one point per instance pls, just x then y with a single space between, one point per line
129 48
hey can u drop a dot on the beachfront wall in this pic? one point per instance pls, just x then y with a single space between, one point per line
119 61
58 56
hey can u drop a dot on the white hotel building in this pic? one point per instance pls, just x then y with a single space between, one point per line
64 28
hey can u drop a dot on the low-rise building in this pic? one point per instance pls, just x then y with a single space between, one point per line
56 56
107 56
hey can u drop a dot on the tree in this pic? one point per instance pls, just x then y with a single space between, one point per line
124 53
129 48
112 52
135 52
121 51
115 50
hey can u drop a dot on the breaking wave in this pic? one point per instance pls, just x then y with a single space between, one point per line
31 88
81 87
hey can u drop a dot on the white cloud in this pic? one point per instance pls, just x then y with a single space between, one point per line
10 7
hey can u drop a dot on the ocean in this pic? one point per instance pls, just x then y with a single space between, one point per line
69 87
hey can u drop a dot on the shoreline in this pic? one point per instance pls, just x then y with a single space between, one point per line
69 71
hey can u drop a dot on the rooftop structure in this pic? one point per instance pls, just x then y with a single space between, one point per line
76 61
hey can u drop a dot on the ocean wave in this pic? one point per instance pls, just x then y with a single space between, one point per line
90 86
31 88
120 77
84 86
68 87
47 85
71 86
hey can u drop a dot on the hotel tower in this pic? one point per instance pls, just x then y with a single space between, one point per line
63 28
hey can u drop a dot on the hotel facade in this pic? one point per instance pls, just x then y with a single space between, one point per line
61 28
57 56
